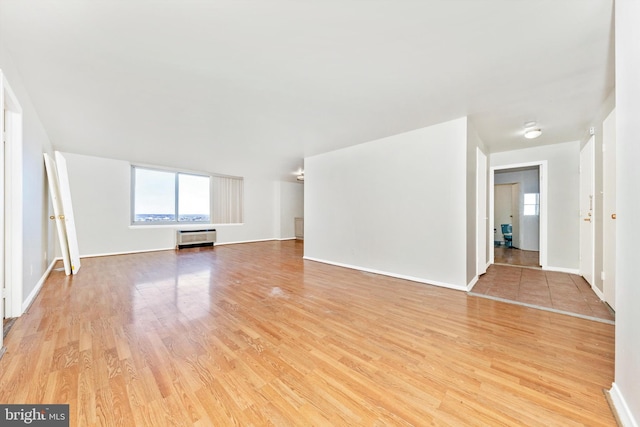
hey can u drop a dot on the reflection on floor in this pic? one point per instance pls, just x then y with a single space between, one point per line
556 291
513 256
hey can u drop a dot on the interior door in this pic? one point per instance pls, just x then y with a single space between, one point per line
587 219
2 258
609 209
54 191
67 209
502 208
515 215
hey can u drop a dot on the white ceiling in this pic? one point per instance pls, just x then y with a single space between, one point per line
252 87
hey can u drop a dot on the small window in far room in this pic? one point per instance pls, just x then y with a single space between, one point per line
532 204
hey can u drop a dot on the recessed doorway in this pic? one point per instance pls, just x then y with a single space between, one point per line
517 215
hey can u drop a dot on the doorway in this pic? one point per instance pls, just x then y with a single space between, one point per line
11 213
517 215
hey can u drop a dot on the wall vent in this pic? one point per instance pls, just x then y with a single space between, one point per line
195 238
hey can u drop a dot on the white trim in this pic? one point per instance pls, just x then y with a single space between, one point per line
597 292
181 225
562 269
173 248
141 251
621 407
544 190
34 293
246 241
472 283
281 239
386 273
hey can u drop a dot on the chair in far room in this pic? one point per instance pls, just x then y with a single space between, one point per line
508 235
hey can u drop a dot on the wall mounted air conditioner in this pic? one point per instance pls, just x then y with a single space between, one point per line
195 238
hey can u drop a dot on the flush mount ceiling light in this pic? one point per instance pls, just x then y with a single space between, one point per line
531 130
300 176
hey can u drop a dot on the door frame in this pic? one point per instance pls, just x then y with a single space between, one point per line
542 169
609 209
481 212
13 199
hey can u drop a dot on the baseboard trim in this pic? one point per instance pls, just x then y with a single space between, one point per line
622 411
247 241
472 283
34 293
561 269
389 274
173 248
126 252
598 292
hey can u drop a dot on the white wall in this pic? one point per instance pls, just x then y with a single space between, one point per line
530 224
563 235
38 242
626 389
395 206
100 189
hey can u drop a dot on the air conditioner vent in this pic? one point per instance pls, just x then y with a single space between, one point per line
195 238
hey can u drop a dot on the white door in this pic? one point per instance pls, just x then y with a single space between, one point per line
587 219
2 258
502 208
483 220
515 214
54 191
67 209
609 209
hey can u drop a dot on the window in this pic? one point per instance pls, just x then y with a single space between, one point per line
166 197
173 197
532 204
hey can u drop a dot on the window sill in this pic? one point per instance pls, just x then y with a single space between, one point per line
180 226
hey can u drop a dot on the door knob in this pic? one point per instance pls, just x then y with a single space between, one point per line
587 219
613 216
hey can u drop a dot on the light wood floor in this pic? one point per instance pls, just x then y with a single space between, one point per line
251 334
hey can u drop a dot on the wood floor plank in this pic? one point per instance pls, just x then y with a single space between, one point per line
253 335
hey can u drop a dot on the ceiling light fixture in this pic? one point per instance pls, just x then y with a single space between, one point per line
531 130
300 176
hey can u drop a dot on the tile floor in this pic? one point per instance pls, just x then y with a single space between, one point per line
564 292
